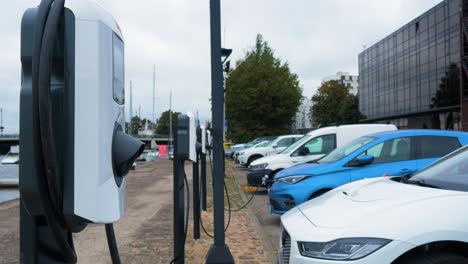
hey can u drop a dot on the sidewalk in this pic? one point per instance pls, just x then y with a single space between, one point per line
242 236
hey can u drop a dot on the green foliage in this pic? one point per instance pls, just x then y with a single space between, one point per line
135 124
262 95
164 121
333 104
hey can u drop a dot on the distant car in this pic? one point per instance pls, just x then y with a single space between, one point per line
420 219
312 146
142 157
171 152
247 156
230 151
393 153
249 145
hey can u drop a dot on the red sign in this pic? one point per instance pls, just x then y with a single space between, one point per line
163 151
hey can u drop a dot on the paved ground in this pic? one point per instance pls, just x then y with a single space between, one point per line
269 223
144 235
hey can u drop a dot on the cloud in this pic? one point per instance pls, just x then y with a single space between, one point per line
317 38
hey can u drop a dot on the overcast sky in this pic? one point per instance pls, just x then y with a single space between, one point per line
318 38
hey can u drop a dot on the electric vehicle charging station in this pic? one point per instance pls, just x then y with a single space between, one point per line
72 57
185 149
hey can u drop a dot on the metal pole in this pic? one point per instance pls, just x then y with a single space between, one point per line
178 210
131 109
203 180
219 251
170 118
154 91
196 200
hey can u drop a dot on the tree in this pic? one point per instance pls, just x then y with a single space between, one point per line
333 104
163 123
135 125
262 95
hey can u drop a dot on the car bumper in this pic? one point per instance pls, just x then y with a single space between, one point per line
284 197
255 178
289 250
242 160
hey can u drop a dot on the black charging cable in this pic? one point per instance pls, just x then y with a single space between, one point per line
48 182
45 156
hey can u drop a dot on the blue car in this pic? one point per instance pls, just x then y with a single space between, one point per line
392 153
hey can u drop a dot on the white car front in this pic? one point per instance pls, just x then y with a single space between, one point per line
379 220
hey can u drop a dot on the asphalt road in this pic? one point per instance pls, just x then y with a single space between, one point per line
270 223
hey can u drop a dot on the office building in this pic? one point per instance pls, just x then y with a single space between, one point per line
414 77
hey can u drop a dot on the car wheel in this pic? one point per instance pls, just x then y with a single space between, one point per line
434 258
251 159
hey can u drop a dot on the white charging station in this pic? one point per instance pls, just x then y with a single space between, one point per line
75 153
192 137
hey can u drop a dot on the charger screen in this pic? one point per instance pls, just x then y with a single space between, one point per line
118 70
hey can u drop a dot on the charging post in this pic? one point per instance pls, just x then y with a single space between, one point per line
219 252
184 149
196 187
205 147
69 175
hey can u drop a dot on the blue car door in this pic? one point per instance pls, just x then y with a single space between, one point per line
394 157
431 148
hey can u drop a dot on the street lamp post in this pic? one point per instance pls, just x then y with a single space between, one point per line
219 252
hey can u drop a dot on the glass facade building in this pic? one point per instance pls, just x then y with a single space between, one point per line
411 78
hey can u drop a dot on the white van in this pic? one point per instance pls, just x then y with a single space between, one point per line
312 146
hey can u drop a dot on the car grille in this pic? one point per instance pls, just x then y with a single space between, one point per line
286 243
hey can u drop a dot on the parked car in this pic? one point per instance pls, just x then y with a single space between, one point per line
422 219
230 151
394 153
278 144
249 145
312 146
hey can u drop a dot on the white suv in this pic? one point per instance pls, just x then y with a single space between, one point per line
275 146
312 146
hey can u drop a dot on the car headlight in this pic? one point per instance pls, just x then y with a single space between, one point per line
293 179
258 167
342 249
241 153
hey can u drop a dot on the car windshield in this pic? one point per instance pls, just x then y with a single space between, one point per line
345 150
451 172
250 144
297 143
262 144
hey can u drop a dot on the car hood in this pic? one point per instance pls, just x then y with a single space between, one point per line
255 150
307 168
270 159
367 202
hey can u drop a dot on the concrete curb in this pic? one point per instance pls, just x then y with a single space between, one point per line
265 240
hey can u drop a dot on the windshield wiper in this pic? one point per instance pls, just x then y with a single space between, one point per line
421 183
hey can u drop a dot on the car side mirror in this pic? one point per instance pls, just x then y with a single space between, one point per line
274 146
365 160
303 151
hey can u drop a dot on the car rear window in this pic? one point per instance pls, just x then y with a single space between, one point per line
437 146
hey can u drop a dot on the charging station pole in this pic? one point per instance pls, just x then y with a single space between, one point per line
179 214
203 179
196 190
219 251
